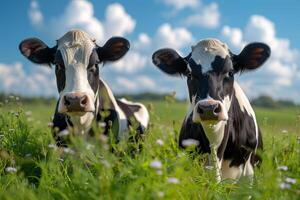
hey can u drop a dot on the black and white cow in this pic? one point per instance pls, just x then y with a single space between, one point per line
221 120
83 96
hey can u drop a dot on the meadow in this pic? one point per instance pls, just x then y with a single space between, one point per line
32 167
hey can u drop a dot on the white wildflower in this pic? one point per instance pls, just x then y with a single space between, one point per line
160 142
11 169
190 142
290 180
156 164
63 133
282 168
284 186
173 180
68 151
52 146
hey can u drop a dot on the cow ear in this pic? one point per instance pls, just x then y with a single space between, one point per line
114 49
251 57
37 51
170 62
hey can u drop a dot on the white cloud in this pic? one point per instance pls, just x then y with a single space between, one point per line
135 84
207 16
279 74
176 38
131 62
80 14
141 50
35 15
15 79
117 21
181 4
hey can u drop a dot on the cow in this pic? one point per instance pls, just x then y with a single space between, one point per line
220 121
83 96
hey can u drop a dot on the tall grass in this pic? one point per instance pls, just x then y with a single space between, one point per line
31 167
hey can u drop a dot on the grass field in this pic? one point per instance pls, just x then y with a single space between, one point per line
31 167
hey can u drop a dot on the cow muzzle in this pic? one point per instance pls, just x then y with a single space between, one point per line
209 110
76 102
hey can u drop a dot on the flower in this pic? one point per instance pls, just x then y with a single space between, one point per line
282 168
290 180
156 164
160 142
11 169
52 146
68 150
284 186
190 142
173 180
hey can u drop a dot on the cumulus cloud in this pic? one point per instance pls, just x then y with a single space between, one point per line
279 74
202 15
207 16
141 50
180 4
134 84
14 78
80 14
35 15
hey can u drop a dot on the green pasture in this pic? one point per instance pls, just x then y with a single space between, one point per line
31 167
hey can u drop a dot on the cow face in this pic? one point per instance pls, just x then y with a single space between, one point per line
76 57
210 70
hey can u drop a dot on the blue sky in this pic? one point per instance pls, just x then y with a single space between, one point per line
150 25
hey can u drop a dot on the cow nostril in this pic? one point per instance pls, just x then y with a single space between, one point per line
217 109
66 101
200 110
84 100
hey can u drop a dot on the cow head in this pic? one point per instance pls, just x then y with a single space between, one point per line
210 70
76 57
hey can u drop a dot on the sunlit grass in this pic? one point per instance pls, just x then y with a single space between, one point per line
31 167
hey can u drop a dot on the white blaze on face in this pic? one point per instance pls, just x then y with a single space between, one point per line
76 48
205 51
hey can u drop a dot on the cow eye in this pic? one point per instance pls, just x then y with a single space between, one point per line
229 74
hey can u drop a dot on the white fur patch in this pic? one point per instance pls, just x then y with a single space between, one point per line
142 115
231 172
245 106
123 125
205 51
